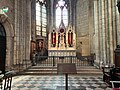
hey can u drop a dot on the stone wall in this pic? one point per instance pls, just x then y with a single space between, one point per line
82 27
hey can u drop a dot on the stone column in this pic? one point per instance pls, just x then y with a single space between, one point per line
24 23
70 12
110 33
52 15
28 28
96 36
16 48
103 31
116 23
21 31
33 19
100 33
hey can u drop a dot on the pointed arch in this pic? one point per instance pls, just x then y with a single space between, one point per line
9 35
61 12
2 48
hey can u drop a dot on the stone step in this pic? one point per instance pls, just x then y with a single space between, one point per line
79 70
83 67
37 70
55 73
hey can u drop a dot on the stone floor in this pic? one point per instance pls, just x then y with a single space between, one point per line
57 82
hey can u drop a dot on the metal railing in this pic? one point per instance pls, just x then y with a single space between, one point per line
54 60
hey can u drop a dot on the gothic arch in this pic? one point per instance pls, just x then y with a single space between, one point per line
5 21
2 48
67 7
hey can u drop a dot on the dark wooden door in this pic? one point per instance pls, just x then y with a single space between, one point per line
2 48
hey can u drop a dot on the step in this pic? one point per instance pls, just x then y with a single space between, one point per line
82 70
79 70
55 73
49 67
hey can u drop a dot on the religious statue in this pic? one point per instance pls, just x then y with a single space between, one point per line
70 38
53 38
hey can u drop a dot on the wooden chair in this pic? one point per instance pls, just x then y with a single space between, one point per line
106 74
1 81
113 86
115 76
8 80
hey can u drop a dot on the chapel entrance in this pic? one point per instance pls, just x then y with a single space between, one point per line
2 48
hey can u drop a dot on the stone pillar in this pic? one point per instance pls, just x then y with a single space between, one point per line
24 23
106 31
33 19
96 31
103 31
115 24
52 15
16 43
100 33
111 49
28 28
72 13
91 30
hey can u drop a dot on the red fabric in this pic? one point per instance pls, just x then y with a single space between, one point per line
70 38
116 89
117 74
53 37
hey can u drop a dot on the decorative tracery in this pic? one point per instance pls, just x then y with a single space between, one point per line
61 13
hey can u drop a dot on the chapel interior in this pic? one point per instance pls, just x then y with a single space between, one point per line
38 36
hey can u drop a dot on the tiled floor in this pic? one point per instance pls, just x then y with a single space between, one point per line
57 82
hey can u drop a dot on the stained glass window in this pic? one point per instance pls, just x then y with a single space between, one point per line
41 18
61 13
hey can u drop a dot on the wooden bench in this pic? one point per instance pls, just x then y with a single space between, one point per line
8 80
111 73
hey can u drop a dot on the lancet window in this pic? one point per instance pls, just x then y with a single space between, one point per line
61 13
41 18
